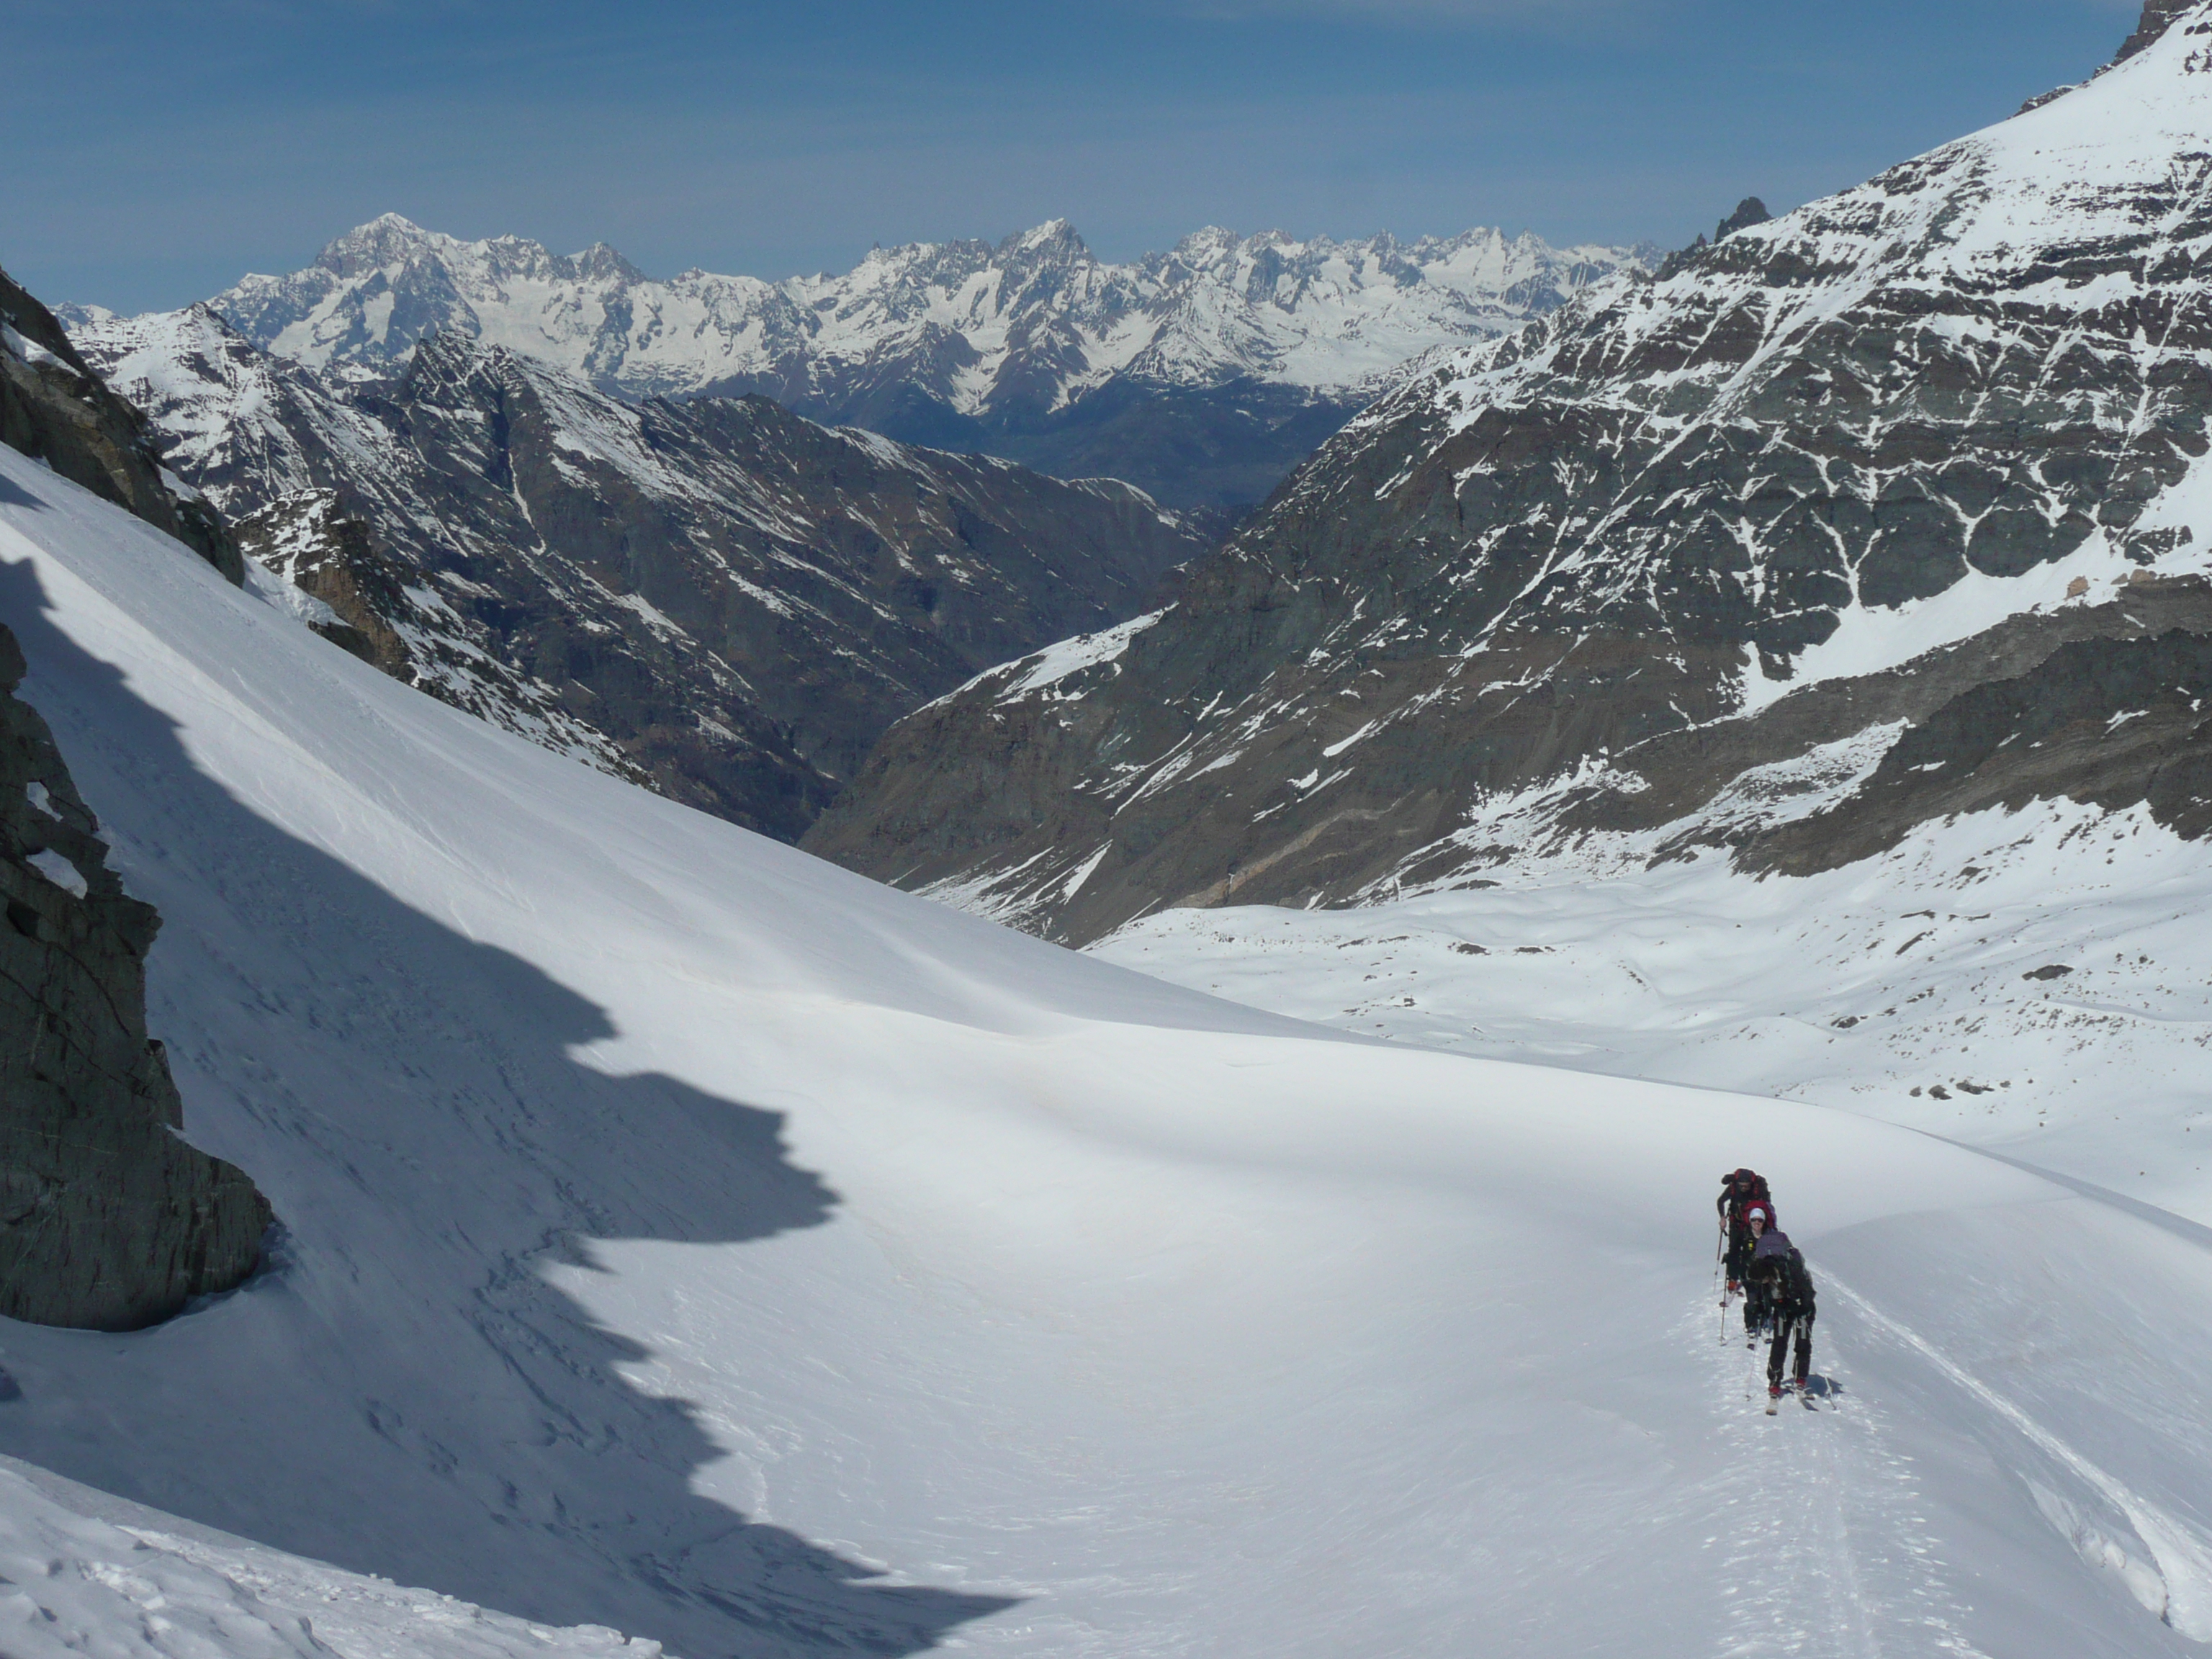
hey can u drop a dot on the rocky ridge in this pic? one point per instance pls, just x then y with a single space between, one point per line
109 1219
1202 373
55 409
1915 461
716 596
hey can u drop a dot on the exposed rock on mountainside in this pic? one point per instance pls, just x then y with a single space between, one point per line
1203 374
1598 557
107 1219
2110 723
2158 16
1749 212
715 596
332 560
56 410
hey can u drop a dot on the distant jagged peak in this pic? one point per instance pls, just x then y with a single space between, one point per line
392 240
389 239
74 317
1206 243
1035 319
601 261
1053 236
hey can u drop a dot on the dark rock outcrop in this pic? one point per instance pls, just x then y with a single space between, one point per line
2107 722
55 409
2158 16
108 1220
310 542
1749 212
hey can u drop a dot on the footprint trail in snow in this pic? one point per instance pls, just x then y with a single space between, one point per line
1827 1553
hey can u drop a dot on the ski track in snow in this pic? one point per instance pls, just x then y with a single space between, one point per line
1830 1558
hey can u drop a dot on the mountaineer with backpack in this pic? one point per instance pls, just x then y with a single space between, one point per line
1739 1192
1779 1280
1758 1295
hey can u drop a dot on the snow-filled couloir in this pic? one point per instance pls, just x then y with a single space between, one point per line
692 1242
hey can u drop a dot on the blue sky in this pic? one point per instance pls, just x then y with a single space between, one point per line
157 149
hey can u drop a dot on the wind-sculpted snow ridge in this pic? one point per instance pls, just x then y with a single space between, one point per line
1833 471
717 598
1202 373
691 1240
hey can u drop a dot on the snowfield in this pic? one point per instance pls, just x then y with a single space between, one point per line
2037 983
686 1239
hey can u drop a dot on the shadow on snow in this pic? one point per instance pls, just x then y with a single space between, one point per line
406 1395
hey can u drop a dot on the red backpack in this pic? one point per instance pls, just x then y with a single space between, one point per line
1743 1189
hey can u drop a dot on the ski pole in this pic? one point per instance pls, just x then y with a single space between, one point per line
1720 1250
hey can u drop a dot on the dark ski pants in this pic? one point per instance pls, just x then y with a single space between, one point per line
1787 1321
1757 1307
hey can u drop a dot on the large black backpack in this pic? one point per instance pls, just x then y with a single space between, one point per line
1782 1277
1797 1282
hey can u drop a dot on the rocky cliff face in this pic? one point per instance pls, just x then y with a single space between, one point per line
1202 373
716 596
107 1219
1829 465
57 409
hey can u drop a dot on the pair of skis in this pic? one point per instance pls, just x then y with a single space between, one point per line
1804 1398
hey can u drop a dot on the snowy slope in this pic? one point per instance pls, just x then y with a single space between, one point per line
1035 318
693 1240
88 1573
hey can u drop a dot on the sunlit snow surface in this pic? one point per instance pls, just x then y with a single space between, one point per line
2037 982
690 1240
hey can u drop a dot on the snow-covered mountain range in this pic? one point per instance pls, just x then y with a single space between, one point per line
716 596
1904 494
966 343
